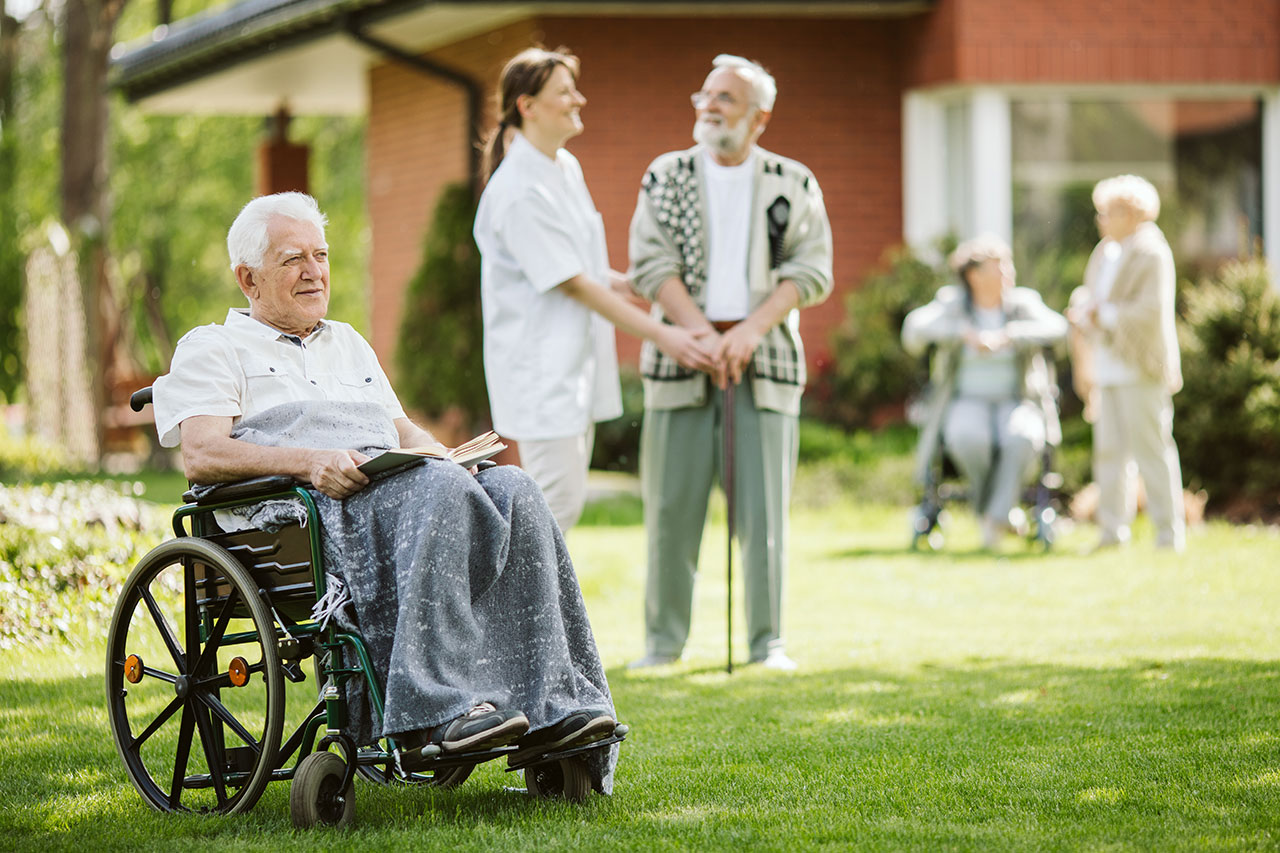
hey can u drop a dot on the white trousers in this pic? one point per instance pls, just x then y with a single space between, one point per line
995 446
1134 428
559 467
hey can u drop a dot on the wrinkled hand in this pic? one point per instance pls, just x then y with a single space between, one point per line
621 285
710 340
1083 316
686 348
734 352
988 341
334 472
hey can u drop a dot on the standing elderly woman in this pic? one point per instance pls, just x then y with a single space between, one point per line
546 286
1126 362
992 399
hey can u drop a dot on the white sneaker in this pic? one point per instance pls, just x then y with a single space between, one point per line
777 660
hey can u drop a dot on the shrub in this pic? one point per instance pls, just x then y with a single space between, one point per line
868 371
27 457
1228 413
65 550
439 355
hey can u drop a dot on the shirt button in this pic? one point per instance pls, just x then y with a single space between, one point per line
272 369
368 379
313 382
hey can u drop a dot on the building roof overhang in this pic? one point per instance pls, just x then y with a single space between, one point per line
258 55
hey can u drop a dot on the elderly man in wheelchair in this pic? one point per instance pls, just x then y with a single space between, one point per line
446 624
992 397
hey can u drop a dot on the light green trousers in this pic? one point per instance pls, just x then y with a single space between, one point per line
681 455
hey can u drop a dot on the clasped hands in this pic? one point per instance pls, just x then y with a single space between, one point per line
723 357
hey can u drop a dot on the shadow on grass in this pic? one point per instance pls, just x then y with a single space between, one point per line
990 752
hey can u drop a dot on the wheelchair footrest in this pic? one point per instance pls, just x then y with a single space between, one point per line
521 762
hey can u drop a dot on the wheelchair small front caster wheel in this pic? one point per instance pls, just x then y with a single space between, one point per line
316 797
567 778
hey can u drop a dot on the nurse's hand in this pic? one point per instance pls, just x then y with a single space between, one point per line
686 348
736 349
620 284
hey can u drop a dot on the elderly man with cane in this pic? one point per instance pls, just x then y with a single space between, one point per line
728 241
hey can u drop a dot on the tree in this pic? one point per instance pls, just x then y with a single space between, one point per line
10 258
87 33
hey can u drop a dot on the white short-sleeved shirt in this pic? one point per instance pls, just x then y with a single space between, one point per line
550 362
244 367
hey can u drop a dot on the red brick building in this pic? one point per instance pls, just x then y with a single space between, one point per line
919 118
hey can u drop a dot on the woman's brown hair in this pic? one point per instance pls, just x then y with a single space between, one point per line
525 74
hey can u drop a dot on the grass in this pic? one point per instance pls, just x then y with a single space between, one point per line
945 701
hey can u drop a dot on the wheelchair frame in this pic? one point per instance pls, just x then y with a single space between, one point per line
252 576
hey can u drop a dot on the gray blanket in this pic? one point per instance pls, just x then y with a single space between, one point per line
461 585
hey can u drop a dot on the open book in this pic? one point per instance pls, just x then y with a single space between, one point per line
467 454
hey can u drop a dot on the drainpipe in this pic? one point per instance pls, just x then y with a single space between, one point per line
473 90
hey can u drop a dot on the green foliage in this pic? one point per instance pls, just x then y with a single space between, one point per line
1228 413
617 446
28 457
65 549
869 371
439 360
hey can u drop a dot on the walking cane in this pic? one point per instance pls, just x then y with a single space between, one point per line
727 479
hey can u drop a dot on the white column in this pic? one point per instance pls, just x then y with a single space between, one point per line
924 171
991 164
1271 183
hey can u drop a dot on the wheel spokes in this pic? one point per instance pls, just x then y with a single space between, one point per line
166 631
220 711
210 650
180 758
213 753
137 742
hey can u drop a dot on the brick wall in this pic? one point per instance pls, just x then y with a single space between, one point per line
1106 41
837 112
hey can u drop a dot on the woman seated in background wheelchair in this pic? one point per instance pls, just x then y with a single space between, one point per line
460 583
992 400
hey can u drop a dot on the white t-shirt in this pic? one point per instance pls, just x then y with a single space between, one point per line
244 367
728 233
550 362
1108 368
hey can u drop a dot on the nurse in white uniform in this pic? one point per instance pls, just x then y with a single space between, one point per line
548 295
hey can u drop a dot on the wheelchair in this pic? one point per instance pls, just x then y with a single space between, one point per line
209 631
928 517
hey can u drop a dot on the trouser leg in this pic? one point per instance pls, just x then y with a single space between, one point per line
1020 435
677 455
1111 462
1156 454
765 453
559 467
969 439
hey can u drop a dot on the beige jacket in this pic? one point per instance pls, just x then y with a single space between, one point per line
1145 335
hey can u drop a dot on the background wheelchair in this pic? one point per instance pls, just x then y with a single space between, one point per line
1042 495
211 632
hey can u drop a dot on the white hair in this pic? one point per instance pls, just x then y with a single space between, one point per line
1138 194
763 87
247 239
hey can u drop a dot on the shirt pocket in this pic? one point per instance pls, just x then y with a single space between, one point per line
267 384
357 385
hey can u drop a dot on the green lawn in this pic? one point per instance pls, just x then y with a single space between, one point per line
945 701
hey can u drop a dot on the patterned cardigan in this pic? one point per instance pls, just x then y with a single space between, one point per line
790 240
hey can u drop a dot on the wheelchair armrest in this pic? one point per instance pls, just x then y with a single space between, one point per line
243 490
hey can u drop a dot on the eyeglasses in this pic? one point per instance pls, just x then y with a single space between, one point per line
702 99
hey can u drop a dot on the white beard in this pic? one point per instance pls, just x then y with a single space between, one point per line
720 137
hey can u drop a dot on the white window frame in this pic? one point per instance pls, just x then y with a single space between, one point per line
986 154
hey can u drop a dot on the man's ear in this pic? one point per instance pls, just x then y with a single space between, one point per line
761 121
248 285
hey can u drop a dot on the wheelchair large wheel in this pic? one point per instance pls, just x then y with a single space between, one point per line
197 728
317 796
567 778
